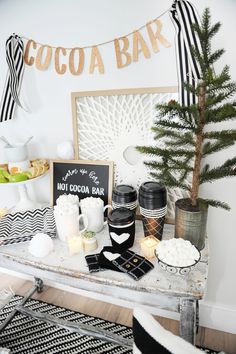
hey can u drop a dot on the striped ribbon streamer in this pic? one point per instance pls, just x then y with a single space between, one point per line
184 15
15 62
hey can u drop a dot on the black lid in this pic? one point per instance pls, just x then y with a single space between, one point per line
123 193
121 216
152 195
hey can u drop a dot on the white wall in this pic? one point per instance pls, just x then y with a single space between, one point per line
76 23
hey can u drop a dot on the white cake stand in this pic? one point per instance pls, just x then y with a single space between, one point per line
24 203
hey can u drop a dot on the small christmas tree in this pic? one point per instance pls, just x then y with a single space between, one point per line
185 133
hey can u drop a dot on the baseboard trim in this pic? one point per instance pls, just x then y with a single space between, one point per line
218 316
212 315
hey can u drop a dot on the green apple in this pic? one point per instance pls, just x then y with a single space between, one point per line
5 174
18 177
27 173
3 179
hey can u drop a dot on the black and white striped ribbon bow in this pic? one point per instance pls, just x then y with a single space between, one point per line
15 62
184 15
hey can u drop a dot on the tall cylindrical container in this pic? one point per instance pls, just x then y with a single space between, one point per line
153 208
191 225
121 225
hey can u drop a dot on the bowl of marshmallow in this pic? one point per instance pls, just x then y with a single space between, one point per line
177 256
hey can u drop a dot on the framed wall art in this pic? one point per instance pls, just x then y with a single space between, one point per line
108 125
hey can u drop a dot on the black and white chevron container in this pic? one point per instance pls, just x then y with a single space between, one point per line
22 226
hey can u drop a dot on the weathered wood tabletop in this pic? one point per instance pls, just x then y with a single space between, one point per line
170 291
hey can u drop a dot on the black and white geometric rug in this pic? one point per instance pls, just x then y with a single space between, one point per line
25 335
29 336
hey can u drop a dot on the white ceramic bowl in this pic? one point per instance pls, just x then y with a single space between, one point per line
16 153
177 269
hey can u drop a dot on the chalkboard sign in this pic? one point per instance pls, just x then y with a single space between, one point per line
83 178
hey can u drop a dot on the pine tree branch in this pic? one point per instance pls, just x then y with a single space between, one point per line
205 169
215 203
190 88
154 150
217 173
214 99
173 125
178 144
186 138
175 110
216 82
170 182
210 148
215 56
214 29
222 134
221 89
153 165
222 113
230 163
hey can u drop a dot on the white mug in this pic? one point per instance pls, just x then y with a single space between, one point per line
94 209
67 220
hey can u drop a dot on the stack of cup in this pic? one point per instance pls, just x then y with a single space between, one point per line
124 196
153 208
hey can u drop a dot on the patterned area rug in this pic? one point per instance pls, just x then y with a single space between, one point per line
29 336
25 335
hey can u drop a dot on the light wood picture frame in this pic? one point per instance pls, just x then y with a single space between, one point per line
108 124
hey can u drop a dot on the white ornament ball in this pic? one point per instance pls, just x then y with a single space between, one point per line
41 245
65 150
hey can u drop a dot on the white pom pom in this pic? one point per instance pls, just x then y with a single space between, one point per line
65 150
41 245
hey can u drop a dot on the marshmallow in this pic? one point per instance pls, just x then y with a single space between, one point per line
177 252
91 202
68 199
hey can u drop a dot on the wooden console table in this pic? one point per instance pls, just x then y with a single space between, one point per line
157 288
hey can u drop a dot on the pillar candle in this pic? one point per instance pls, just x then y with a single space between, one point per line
148 246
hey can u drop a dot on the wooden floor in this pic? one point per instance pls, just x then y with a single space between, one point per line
206 337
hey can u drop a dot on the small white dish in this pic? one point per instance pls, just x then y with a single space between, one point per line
20 166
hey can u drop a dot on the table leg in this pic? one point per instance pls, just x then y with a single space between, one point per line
14 311
39 284
81 328
188 319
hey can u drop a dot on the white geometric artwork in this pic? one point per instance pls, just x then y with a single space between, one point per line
110 126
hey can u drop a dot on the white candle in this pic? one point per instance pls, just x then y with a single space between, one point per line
148 246
75 245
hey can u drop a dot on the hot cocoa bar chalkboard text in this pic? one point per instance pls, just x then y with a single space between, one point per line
83 178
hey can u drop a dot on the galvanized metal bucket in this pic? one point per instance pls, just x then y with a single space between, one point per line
191 225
